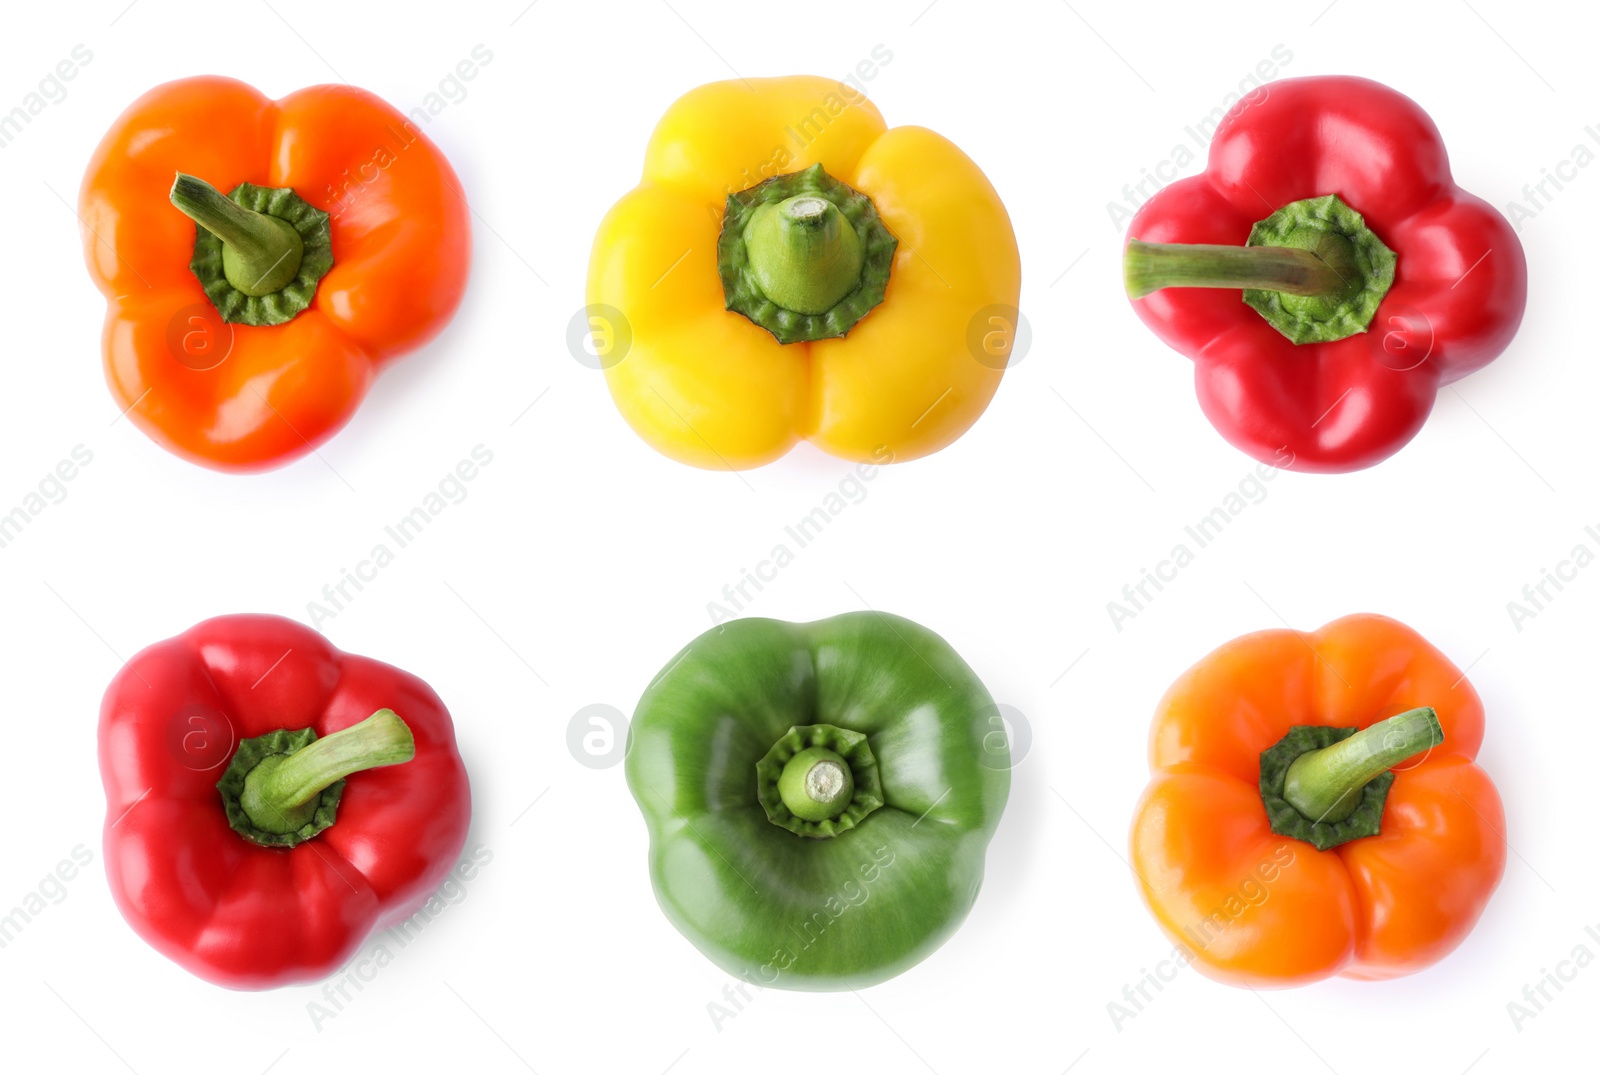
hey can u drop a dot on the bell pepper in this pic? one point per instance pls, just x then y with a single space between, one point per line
790 268
819 796
270 801
242 331
1314 808
1369 279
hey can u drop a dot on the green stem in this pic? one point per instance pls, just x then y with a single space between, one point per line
283 791
816 784
805 255
261 254
1149 267
1313 269
1326 784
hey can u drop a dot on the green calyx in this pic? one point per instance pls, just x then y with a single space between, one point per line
259 252
1313 269
819 780
803 255
1328 786
1339 238
283 788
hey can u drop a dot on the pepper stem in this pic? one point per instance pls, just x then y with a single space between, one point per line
805 255
283 791
816 784
1149 267
1326 784
1313 270
261 253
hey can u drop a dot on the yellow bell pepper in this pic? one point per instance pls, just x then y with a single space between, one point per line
710 386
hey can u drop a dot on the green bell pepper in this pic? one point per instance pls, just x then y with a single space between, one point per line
819 796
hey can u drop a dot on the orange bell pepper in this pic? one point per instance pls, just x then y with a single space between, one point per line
1255 907
237 345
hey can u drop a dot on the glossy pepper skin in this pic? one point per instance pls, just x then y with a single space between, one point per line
230 911
1459 289
823 912
401 246
706 386
1261 910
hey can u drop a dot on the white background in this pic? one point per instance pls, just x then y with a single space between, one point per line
581 560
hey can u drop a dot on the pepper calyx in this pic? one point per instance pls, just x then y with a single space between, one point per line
280 790
259 252
803 255
819 780
1338 236
1328 786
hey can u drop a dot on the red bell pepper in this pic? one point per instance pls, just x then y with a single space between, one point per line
251 835
1357 308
